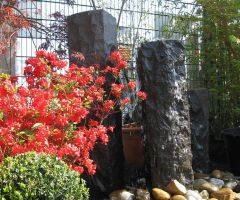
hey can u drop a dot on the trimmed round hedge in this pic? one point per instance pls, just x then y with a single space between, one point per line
39 176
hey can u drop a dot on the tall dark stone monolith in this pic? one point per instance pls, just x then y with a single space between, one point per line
93 33
199 115
161 71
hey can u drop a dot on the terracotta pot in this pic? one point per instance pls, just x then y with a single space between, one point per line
132 145
126 52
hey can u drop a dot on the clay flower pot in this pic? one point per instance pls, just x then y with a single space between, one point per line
132 144
126 52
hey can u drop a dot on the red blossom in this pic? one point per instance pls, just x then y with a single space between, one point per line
23 91
111 128
14 79
132 85
100 80
115 71
41 53
93 122
122 64
115 56
125 101
108 106
142 95
61 121
52 114
107 69
78 56
117 89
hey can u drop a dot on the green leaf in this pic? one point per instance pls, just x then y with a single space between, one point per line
28 133
1 115
36 126
4 76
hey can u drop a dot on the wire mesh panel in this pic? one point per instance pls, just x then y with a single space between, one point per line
137 20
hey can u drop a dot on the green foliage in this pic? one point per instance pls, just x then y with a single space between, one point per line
216 24
220 61
33 176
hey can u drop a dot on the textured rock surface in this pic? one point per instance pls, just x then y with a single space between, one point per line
93 33
161 72
199 117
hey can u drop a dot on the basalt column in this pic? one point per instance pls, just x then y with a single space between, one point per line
94 34
199 113
161 71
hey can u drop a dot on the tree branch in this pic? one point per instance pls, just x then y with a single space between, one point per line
120 14
93 4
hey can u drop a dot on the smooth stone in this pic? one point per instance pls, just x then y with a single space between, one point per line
217 173
223 194
228 176
218 182
142 194
204 194
121 195
225 190
198 183
160 194
193 195
231 184
176 188
178 197
236 196
201 176
209 187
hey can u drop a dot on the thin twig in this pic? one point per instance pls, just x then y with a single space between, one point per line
120 14
93 4
27 19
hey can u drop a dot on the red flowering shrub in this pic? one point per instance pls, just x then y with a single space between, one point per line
51 113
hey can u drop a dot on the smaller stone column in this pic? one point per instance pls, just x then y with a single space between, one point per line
199 115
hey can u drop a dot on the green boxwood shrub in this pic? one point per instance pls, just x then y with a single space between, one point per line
33 176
